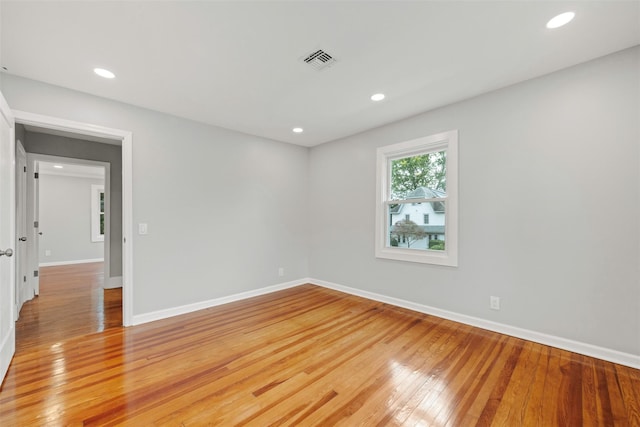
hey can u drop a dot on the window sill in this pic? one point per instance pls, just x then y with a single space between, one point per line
418 255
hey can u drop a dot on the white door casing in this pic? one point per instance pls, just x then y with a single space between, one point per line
7 237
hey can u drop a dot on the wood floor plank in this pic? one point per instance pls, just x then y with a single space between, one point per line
533 413
591 415
303 356
630 394
513 405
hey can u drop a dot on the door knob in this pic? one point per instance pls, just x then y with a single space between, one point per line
8 252
23 239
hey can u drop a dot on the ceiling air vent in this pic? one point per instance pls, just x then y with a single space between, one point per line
319 60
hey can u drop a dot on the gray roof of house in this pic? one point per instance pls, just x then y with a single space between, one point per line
423 193
426 193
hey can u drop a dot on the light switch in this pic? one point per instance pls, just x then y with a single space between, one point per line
142 228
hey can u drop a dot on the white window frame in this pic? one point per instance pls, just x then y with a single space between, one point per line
447 141
95 212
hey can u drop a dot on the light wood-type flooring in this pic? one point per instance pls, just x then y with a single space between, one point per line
311 356
71 303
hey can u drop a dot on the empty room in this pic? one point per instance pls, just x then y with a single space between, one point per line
356 213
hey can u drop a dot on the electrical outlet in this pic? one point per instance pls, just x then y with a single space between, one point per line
47 252
281 271
495 303
143 228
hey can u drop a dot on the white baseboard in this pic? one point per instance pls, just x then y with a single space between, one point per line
7 349
78 261
112 282
614 356
188 308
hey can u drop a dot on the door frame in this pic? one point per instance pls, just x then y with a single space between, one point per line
126 140
33 209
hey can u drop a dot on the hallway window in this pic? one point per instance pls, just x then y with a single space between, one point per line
97 213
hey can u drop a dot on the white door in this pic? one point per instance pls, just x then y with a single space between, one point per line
24 290
7 237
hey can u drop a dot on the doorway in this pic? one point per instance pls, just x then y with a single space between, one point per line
87 132
71 204
72 207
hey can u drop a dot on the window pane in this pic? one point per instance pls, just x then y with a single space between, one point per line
101 202
422 176
405 230
102 224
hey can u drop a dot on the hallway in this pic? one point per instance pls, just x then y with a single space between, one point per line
71 303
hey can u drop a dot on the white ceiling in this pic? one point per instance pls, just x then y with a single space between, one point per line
238 64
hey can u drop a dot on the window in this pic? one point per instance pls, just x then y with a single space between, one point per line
97 213
420 175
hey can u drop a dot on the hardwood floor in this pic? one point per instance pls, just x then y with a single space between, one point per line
312 356
71 303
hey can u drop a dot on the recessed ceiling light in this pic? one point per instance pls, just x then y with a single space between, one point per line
560 20
58 166
297 130
377 97
104 73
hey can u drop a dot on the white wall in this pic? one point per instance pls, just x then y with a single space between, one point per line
549 207
65 219
225 210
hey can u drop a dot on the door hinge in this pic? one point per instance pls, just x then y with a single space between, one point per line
35 175
35 224
24 279
25 168
35 273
